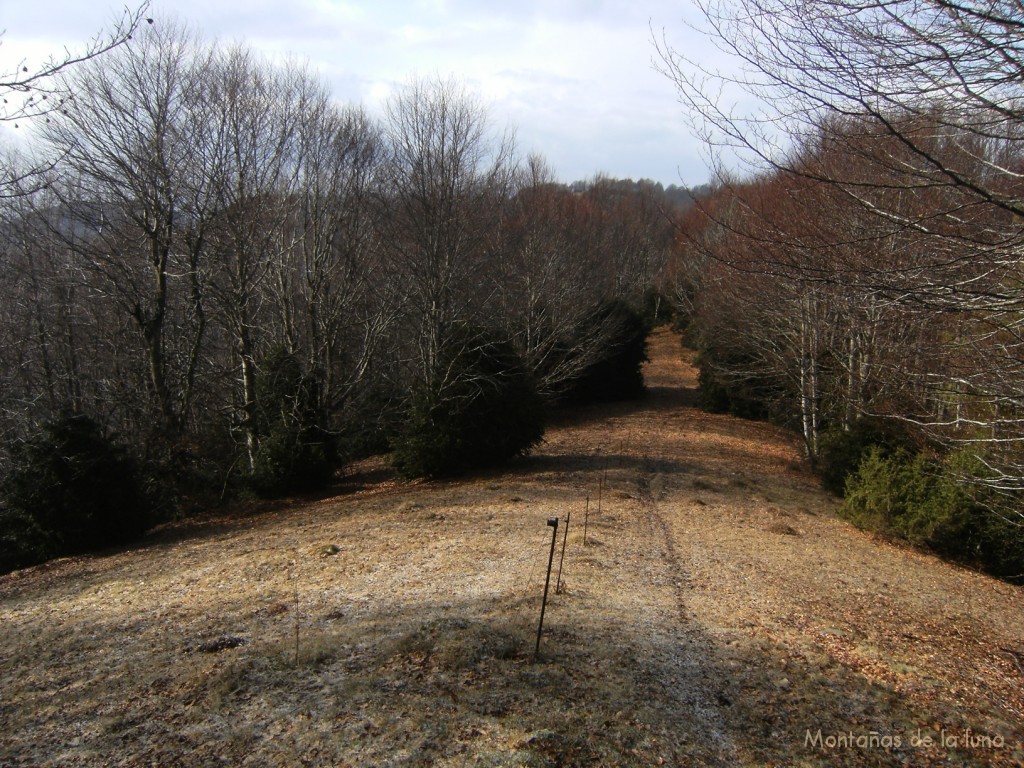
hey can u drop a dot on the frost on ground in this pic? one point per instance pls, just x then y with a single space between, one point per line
719 614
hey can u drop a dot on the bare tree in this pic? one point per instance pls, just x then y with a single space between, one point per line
334 310
254 128
129 207
910 111
36 91
39 93
446 182
910 108
549 276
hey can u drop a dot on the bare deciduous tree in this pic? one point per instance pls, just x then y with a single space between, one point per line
129 207
254 128
28 92
447 179
908 113
334 307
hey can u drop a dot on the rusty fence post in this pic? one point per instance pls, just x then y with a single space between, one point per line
586 520
553 522
561 560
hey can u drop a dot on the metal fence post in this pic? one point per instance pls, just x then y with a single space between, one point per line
553 522
561 560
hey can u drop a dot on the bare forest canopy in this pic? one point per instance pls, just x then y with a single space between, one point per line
243 284
863 280
212 265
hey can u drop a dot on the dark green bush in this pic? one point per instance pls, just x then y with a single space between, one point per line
927 503
295 453
617 372
840 451
909 497
997 544
995 538
70 489
291 460
183 474
483 411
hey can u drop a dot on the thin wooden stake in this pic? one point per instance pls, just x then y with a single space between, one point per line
586 520
296 621
561 561
553 522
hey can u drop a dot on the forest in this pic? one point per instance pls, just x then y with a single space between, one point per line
339 438
860 279
220 282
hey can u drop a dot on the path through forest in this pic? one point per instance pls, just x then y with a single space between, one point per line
719 614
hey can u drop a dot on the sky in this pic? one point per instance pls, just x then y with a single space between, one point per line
575 79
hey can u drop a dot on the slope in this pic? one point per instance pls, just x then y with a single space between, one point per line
718 614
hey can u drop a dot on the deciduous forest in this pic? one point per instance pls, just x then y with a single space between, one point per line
857 272
297 402
219 282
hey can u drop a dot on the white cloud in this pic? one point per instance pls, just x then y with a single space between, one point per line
574 76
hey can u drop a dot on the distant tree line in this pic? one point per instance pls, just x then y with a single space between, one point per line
217 280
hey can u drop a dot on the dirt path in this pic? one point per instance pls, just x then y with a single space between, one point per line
719 615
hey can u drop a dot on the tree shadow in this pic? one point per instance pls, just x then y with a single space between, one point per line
551 462
413 683
655 399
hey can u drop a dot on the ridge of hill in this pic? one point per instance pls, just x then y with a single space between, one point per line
718 614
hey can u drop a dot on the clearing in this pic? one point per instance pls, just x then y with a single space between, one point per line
719 614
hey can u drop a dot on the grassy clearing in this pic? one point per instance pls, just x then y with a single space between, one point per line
719 615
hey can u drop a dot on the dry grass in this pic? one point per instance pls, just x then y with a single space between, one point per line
718 613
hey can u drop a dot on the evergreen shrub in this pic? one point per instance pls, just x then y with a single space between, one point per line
840 451
295 453
70 489
481 409
616 373
928 503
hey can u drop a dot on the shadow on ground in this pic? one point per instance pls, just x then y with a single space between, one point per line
456 683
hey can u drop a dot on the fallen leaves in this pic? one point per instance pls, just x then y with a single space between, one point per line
718 613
